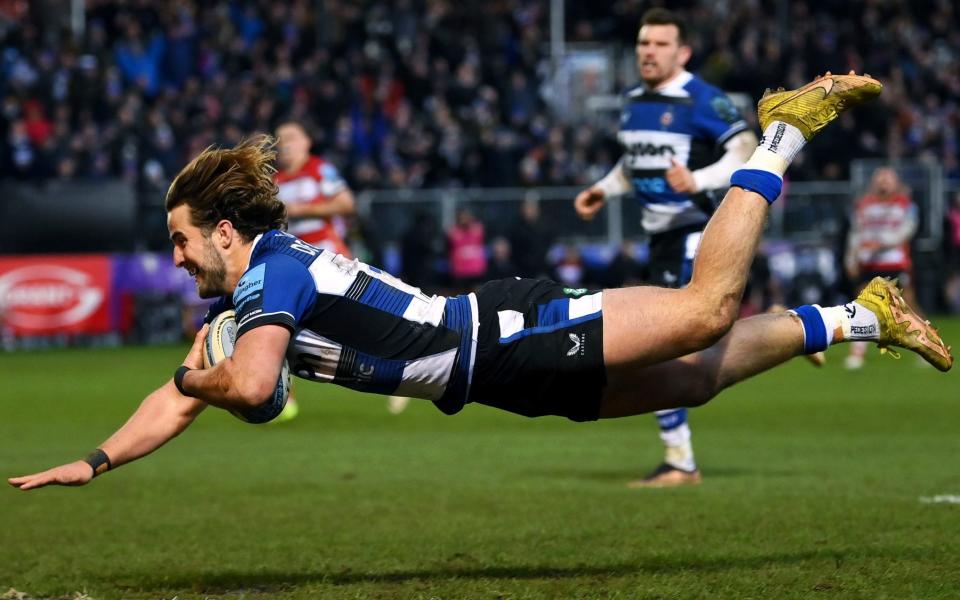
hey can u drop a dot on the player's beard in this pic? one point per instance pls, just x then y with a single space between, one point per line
212 273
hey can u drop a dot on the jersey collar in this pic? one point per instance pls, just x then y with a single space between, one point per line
674 87
256 245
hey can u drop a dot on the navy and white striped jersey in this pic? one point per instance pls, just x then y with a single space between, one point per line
688 120
355 325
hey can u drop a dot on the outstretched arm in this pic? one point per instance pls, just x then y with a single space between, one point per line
160 417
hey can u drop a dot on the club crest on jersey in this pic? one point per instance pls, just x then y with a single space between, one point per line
725 109
666 119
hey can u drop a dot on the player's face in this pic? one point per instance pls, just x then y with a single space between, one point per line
293 146
195 251
885 181
660 55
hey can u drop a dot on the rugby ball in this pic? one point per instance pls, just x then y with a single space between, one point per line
219 345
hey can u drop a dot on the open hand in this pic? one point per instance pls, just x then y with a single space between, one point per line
75 473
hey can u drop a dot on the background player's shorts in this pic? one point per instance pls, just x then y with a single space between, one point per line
540 349
671 256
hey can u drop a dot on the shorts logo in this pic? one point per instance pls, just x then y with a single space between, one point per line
578 345
851 310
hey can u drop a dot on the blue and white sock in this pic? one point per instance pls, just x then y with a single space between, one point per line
675 434
825 326
763 173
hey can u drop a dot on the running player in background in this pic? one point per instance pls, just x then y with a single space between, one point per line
317 199
316 196
883 223
682 139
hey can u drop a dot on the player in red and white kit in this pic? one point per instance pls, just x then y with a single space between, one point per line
317 199
883 223
316 196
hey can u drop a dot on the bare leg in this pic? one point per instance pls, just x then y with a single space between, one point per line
752 346
647 325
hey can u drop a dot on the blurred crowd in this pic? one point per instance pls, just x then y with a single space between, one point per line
912 47
405 94
431 93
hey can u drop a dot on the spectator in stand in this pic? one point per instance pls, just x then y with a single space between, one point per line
952 241
463 108
501 260
466 251
570 270
421 248
883 223
530 240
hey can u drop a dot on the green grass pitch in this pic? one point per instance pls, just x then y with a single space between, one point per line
818 484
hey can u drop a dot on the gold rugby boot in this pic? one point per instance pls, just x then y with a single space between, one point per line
901 326
811 107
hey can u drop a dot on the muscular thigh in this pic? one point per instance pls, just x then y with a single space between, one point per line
645 325
633 391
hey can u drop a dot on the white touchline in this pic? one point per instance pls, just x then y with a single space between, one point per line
940 499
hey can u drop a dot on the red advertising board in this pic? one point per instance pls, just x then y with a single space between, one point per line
44 295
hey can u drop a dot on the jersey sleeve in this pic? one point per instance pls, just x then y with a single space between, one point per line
718 118
277 290
222 304
330 180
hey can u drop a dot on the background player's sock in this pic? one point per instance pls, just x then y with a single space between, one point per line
675 434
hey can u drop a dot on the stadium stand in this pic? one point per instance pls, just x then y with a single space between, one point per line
419 94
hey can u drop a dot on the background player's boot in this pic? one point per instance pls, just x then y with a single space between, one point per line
811 107
901 326
667 475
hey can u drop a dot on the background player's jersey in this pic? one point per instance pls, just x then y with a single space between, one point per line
876 223
315 182
688 120
355 325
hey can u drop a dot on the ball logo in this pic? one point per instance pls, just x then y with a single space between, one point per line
48 297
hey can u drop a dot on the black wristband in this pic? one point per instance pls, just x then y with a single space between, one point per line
178 378
98 461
